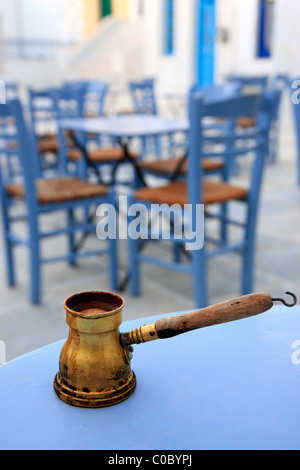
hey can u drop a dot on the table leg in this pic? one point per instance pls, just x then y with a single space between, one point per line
127 157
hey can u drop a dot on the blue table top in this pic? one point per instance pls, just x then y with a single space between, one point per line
231 386
126 126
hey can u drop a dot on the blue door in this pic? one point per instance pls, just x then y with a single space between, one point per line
206 34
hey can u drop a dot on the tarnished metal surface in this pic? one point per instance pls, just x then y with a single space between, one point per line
94 368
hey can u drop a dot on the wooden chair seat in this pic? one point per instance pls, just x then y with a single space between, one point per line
48 144
246 122
176 193
171 165
60 190
100 155
45 144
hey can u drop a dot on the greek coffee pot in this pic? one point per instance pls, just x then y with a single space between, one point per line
94 365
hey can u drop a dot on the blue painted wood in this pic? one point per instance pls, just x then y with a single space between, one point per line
265 29
143 96
144 102
168 46
234 387
68 103
95 94
259 82
126 127
43 116
12 90
206 33
294 90
235 143
28 155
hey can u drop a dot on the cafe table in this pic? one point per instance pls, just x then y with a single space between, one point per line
234 386
122 129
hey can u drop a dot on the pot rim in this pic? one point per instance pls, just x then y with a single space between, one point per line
93 296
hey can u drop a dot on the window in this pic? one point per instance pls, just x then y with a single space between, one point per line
168 48
265 30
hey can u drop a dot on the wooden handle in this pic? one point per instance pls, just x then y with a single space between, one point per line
231 310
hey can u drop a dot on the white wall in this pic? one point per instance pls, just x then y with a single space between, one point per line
239 55
287 37
44 22
42 19
8 18
174 73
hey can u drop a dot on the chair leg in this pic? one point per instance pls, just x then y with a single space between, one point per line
177 252
298 165
10 267
113 265
199 274
248 259
113 246
9 255
71 238
224 225
248 269
35 260
134 268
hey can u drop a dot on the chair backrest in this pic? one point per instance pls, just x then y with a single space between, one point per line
231 143
68 102
256 84
9 150
42 110
219 91
12 90
94 95
294 85
275 97
16 128
143 96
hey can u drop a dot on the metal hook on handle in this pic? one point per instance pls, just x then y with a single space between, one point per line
284 302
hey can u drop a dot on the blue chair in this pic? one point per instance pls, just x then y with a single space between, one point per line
43 119
254 84
217 92
75 154
250 85
144 102
260 84
143 96
295 98
12 90
176 166
43 197
275 120
197 191
95 93
9 152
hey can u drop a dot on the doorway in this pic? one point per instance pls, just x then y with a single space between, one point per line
105 8
206 35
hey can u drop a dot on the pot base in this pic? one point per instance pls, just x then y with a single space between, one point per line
93 399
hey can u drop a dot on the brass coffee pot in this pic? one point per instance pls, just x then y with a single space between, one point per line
94 365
